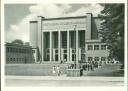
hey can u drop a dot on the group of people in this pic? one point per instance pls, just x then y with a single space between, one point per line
56 70
90 66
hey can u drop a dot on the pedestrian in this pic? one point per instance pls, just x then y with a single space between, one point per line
87 66
91 67
58 70
54 70
72 66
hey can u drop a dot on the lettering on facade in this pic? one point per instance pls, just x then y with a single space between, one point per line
64 24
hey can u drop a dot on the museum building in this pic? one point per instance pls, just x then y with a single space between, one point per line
68 39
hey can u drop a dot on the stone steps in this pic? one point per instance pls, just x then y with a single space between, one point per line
104 70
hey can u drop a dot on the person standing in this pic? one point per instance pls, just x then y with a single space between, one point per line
54 70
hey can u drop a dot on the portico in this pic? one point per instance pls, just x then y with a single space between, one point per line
63 46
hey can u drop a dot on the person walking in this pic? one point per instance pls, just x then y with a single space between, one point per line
58 70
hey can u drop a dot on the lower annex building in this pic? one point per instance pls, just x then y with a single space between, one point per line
68 39
18 54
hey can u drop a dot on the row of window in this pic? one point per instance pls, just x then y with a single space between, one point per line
97 59
17 50
16 59
104 62
97 47
90 47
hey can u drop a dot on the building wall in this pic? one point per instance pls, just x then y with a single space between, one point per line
33 34
18 54
88 26
95 28
96 53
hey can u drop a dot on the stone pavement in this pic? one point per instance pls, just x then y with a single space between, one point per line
63 81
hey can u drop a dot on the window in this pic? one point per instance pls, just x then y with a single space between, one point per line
16 50
19 51
96 47
24 51
7 50
13 50
65 51
10 49
56 51
90 47
56 57
103 47
65 57
82 50
10 59
73 51
73 57
48 51
103 58
82 56
89 58
96 58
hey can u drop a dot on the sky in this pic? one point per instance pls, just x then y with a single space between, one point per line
17 16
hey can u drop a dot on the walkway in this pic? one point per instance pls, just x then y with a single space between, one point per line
63 81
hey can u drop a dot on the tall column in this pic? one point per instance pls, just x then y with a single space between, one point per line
77 50
70 54
51 46
68 47
42 52
59 46
39 40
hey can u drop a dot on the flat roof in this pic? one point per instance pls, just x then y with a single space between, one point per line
17 45
59 18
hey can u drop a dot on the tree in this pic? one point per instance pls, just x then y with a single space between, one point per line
18 41
112 29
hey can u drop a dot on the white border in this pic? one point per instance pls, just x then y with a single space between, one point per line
123 88
126 50
2 47
65 1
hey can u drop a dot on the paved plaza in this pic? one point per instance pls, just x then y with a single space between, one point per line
62 81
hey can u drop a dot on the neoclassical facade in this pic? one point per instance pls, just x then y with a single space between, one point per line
68 39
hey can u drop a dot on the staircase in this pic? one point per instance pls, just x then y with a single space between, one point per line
32 69
105 70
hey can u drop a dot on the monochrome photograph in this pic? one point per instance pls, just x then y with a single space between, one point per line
64 45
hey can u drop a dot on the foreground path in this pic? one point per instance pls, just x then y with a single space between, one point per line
63 81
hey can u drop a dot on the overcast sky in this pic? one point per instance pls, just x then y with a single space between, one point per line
17 16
